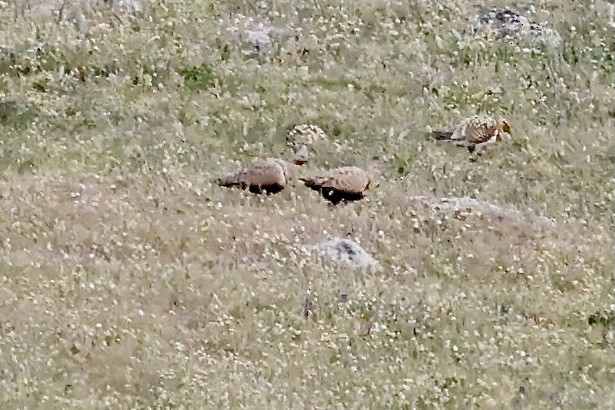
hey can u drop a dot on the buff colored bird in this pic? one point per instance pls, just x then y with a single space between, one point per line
269 175
305 134
337 185
476 132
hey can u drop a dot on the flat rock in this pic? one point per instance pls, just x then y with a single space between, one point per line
463 206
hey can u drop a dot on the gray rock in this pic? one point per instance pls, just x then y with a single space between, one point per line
345 251
503 21
45 10
262 38
507 24
465 206
259 39
133 7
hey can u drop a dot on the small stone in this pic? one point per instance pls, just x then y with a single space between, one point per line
508 24
345 251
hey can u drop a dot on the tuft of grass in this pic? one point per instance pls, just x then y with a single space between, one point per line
198 78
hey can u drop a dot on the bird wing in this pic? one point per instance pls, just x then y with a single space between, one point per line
479 133
345 179
475 130
265 172
305 134
235 179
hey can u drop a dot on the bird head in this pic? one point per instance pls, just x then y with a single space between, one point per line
503 129
302 156
503 125
374 172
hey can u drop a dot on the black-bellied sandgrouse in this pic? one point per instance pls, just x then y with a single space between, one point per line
269 175
476 132
337 185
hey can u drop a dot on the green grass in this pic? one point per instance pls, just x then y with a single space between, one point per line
129 280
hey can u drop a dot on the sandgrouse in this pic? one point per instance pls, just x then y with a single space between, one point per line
337 185
476 132
269 175
305 134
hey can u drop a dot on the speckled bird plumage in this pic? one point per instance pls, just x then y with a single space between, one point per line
269 175
305 134
340 184
475 132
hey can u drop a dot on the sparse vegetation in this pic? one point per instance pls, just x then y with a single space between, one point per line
128 279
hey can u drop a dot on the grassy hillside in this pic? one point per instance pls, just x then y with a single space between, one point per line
129 280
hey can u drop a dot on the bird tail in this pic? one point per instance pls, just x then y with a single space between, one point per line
230 181
442 135
309 182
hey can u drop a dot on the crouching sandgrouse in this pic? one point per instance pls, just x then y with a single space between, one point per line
305 134
269 175
337 185
476 132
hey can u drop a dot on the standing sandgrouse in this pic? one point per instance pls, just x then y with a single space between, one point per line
270 175
476 132
337 185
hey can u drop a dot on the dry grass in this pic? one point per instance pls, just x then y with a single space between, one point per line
130 281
